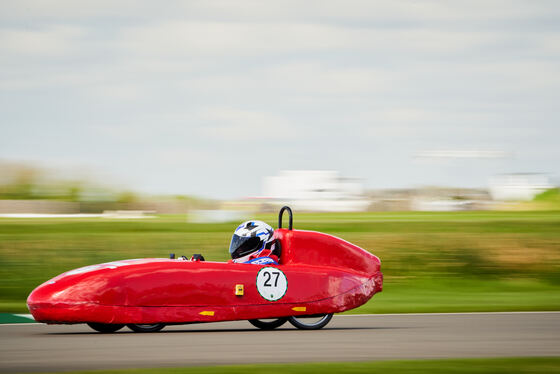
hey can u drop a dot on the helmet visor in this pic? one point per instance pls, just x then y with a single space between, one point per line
242 246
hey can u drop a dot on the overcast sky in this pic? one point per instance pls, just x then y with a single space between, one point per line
208 97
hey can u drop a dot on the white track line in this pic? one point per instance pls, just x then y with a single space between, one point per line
20 324
25 316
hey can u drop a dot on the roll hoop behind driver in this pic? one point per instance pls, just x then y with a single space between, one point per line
253 242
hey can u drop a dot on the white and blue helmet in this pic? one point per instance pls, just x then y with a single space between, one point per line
250 237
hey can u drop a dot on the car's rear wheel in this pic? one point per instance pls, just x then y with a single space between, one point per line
145 327
105 327
313 322
268 324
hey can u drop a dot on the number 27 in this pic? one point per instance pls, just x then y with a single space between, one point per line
268 277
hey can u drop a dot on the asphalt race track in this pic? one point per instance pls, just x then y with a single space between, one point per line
37 347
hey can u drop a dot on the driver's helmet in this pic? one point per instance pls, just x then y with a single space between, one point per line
251 237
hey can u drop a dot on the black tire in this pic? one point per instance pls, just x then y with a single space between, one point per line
105 327
264 324
314 322
145 327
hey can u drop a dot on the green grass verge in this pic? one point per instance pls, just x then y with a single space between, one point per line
433 262
547 365
10 318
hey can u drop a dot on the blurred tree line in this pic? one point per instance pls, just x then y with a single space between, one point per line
24 181
21 181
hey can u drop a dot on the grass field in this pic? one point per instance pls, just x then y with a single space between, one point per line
548 365
433 262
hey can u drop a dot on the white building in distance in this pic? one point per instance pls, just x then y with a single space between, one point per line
316 190
518 186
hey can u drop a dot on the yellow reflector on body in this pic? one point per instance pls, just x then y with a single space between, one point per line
239 290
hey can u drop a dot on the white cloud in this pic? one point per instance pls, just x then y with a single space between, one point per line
315 78
51 41
182 156
193 39
387 12
187 38
232 124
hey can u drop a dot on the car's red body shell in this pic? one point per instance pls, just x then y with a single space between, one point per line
325 274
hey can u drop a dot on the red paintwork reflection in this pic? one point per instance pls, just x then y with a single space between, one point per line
325 275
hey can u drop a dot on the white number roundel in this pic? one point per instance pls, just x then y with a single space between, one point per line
272 283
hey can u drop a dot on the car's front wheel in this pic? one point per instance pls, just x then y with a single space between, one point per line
314 322
146 328
268 324
105 327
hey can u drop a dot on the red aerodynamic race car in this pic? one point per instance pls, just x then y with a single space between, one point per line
316 275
